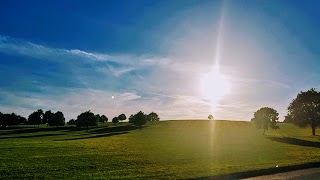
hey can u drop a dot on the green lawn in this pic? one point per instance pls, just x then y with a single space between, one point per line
163 150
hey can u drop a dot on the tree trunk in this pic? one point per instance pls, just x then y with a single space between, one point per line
264 131
313 130
313 126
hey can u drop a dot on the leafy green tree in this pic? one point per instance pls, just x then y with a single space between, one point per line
139 119
36 117
103 119
115 120
131 119
122 117
287 119
266 118
304 110
86 119
153 117
210 117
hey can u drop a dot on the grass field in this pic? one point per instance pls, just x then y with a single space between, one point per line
163 150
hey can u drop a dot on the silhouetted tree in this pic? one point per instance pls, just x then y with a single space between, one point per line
153 117
48 117
98 117
304 110
8 119
131 119
266 118
122 117
58 119
5 120
115 120
103 119
22 120
139 119
210 117
71 122
35 118
86 119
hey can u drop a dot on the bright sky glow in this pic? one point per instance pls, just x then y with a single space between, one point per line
214 87
182 59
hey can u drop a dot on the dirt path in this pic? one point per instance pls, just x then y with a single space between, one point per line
313 173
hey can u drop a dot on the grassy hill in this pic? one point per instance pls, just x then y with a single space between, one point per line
163 150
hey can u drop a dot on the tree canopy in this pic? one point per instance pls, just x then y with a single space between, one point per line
122 117
36 117
86 119
115 120
304 110
266 118
153 117
103 119
10 119
138 119
210 117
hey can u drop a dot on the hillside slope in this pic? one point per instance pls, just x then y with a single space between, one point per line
167 149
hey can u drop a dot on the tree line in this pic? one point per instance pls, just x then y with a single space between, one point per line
86 119
303 111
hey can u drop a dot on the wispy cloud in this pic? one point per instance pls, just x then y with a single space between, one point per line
168 85
115 64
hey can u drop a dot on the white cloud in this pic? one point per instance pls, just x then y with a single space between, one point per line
76 101
171 83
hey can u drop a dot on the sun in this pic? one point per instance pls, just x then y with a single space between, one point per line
214 86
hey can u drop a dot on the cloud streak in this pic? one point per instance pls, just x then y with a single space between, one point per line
168 85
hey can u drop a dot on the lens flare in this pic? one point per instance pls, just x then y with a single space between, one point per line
214 86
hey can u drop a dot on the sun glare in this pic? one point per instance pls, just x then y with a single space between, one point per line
214 86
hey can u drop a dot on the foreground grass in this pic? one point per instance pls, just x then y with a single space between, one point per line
163 150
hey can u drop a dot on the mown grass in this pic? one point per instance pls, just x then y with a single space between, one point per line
163 150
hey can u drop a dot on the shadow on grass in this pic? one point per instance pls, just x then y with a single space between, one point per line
92 132
25 130
294 141
96 136
32 136
114 129
262 172
106 132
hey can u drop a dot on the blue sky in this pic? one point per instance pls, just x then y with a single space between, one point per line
152 55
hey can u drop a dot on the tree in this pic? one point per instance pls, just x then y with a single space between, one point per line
103 119
131 119
153 117
48 117
22 120
59 119
122 117
287 119
98 117
304 110
115 120
71 122
266 118
139 119
8 119
36 117
86 119
210 117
